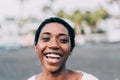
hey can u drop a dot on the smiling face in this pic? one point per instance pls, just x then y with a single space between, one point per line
53 47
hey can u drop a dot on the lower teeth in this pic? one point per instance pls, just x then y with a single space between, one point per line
53 57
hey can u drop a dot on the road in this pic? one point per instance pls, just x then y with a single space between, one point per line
101 60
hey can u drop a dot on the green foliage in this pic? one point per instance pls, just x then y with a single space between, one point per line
100 31
87 16
76 16
33 31
90 17
93 18
61 14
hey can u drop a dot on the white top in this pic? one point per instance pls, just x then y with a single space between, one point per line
86 76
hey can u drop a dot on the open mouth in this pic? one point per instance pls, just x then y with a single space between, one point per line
53 57
57 56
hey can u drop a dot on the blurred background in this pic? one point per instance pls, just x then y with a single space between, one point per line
96 24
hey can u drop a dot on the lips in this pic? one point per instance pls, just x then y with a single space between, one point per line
53 57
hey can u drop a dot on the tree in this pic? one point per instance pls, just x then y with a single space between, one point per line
62 14
93 18
77 18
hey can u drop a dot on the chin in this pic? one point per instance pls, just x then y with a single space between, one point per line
54 69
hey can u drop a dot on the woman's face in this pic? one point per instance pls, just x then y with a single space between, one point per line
53 46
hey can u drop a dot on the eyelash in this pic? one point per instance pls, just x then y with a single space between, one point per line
45 39
60 40
63 40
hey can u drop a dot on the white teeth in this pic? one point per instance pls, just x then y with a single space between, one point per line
53 55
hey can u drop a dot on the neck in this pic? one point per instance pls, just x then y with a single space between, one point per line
54 76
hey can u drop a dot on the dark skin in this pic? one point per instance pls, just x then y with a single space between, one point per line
53 50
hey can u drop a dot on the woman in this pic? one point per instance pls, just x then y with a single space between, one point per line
54 42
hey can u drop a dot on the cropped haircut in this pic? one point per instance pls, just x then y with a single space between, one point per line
57 20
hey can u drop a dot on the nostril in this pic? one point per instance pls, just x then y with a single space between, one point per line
54 47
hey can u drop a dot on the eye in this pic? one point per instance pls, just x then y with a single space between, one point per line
45 39
64 40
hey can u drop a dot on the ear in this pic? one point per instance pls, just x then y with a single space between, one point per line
36 49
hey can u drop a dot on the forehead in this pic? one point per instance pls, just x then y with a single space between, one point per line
54 27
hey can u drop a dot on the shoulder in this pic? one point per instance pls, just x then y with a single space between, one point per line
32 78
87 76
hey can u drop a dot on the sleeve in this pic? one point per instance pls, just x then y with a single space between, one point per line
32 78
87 76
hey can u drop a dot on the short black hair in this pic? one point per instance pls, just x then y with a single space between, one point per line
58 20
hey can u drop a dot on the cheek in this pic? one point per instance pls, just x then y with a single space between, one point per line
39 53
40 49
67 49
40 56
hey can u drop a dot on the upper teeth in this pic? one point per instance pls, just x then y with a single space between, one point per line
53 55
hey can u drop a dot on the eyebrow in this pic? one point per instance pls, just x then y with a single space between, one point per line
61 34
46 33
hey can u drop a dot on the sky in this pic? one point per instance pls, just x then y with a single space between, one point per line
33 7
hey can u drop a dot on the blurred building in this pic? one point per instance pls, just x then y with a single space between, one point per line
13 36
111 28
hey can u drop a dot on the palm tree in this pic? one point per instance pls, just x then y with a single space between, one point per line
76 18
61 13
93 18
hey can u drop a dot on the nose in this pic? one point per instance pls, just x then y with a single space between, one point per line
54 45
